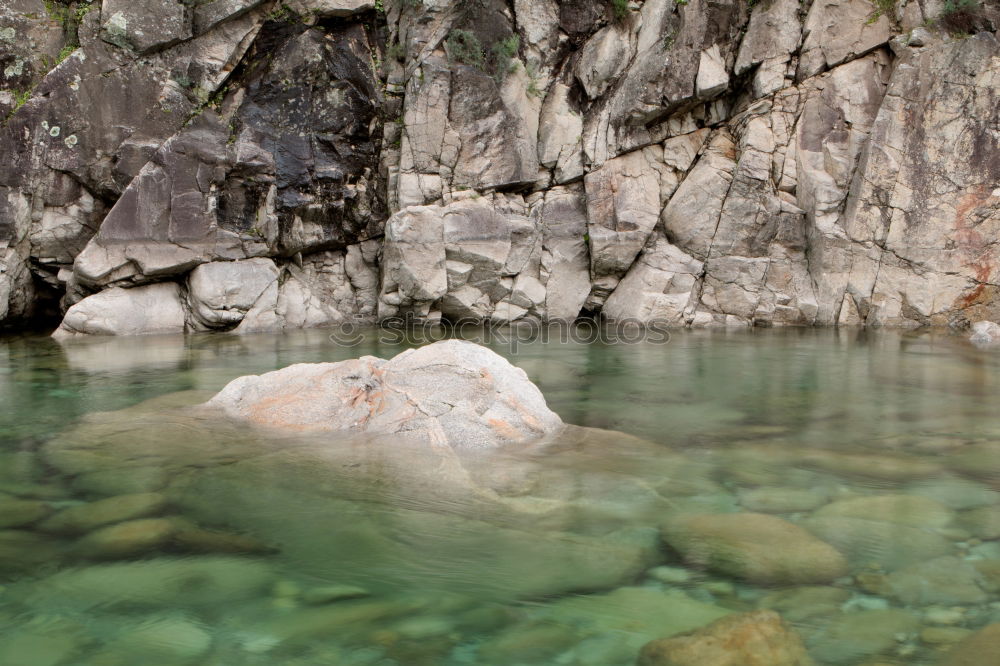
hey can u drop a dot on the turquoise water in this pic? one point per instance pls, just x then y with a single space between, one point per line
221 545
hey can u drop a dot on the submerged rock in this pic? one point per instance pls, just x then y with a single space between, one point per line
127 539
536 642
451 392
943 580
983 522
798 604
633 615
162 582
170 639
759 638
896 509
318 596
18 513
39 648
22 551
980 649
781 500
852 636
889 545
756 547
90 516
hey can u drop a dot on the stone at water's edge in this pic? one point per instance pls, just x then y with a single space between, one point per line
985 332
450 392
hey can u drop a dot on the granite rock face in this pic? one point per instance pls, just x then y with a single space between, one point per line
708 163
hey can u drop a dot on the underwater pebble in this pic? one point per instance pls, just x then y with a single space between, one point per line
864 603
720 588
939 615
286 589
25 648
943 635
670 575
330 593
166 638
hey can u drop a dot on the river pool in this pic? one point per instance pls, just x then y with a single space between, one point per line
133 530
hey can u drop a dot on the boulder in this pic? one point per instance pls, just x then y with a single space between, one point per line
154 308
451 392
221 293
147 25
759 638
755 547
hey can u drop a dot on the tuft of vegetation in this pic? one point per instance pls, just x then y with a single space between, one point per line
882 8
620 9
65 53
69 15
21 98
282 14
504 54
531 69
395 51
464 47
966 17
379 7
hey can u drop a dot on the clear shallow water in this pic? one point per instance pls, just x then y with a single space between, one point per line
551 554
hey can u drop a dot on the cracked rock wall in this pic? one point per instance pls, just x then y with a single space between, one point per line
254 166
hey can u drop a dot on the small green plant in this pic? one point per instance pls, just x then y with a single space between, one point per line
882 8
65 53
69 15
465 47
395 51
620 9
504 53
680 2
282 14
21 98
531 69
379 7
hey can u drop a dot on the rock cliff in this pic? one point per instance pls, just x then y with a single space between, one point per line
250 166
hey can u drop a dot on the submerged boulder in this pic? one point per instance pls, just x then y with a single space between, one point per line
451 392
755 547
760 638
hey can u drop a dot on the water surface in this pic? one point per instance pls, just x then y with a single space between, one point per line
253 548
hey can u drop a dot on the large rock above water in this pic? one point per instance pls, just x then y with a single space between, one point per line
451 392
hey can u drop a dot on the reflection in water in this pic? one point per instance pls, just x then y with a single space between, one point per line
864 469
